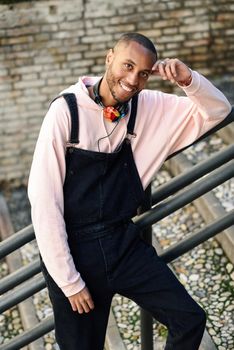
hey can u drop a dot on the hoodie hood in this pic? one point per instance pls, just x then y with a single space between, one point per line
80 89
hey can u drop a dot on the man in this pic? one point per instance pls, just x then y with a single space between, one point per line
87 180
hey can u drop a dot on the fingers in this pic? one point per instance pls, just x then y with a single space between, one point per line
90 303
83 307
82 301
167 69
80 306
171 69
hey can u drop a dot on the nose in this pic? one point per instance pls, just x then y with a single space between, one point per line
132 78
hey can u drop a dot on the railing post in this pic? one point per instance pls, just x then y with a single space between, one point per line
146 318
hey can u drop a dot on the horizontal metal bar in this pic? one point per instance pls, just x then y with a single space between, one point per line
16 241
30 335
21 293
197 171
186 196
19 276
199 237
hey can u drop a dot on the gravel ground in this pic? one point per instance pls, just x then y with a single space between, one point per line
205 271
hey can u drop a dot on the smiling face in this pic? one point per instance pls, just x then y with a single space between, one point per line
129 66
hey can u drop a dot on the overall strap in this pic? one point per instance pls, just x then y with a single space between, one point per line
70 98
132 119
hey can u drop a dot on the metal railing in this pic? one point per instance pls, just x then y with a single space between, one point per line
165 200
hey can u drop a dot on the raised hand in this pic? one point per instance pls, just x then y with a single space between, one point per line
174 70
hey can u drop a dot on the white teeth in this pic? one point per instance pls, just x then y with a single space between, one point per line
126 88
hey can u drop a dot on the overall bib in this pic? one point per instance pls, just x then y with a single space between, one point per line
102 191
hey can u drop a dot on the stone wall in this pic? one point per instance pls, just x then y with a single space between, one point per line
46 45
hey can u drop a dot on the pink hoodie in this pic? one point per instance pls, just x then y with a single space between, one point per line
164 124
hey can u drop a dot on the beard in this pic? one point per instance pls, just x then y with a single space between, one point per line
113 84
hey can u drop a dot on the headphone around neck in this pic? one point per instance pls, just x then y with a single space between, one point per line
111 113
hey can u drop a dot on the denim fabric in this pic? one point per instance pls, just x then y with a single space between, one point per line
117 260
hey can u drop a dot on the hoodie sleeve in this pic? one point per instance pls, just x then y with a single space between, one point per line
45 191
189 118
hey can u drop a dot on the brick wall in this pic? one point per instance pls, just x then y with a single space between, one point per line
46 45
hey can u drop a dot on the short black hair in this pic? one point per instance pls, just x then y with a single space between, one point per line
140 39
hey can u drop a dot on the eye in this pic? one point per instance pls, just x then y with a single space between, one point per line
144 75
128 66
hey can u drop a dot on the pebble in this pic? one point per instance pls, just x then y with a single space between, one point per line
189 262
194 277
219 251
217 324
222 298
217 340
216 287
229 267
214 318
198 266
212 331
122 325
183 278
226 294
230 308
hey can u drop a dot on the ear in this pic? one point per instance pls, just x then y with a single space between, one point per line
109 57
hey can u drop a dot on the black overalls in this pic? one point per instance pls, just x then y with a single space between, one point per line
102 191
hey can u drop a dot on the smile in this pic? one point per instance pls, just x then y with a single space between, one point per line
124 87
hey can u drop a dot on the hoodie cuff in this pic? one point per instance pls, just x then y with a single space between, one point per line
74 288
194 85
